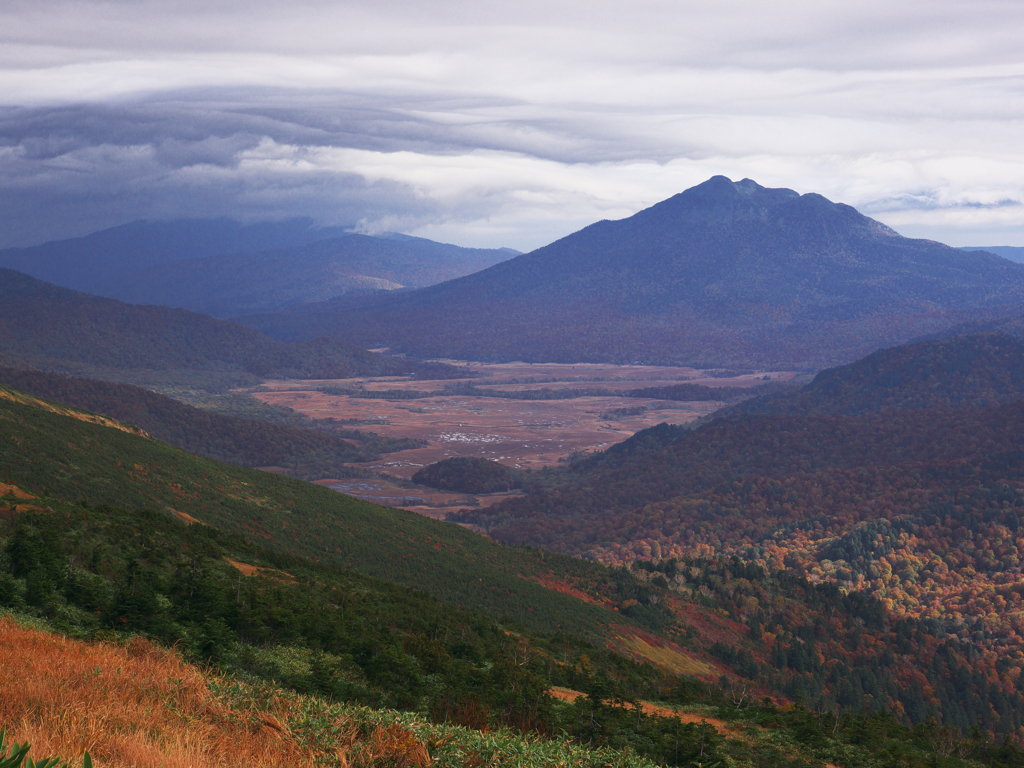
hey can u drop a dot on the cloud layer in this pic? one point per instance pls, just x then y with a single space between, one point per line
484 124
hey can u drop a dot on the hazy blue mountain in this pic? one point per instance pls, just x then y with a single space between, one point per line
88 263
724 273
51 328
1011 252
225 285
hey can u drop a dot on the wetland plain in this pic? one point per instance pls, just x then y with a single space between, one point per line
585 412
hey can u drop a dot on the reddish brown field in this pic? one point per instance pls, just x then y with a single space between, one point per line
528 434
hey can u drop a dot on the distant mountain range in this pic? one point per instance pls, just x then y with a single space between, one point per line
1011 252
235 284
50 328
91 262
724 273
223 268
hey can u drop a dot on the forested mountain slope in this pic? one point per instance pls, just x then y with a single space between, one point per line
58 451
919 507
260 623
1011 326
44 326
1011 252
344 635
969 371
724 273
309 454
603 498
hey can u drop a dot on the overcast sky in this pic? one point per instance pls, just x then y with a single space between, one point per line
500 123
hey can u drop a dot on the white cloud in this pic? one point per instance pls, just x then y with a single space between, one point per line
490 123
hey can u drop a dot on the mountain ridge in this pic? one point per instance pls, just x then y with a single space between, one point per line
86 263
226 285
225 267
1011 252
310 452
972 371
57 329
722 273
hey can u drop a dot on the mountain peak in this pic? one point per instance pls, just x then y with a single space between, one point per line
722 197
726 271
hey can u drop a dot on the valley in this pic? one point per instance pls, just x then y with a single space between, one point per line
806 517
586 412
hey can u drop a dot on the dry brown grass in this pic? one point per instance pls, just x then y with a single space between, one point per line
567 694
131 705
254 570
10 494
14 491
189 520
667 655
394 746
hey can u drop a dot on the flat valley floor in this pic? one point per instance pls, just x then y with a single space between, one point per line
528 434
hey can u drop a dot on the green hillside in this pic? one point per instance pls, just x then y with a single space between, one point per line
300 451
49 454
315 628
90 540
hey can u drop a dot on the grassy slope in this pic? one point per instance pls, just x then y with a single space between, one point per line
64 433
47 452
133 703
137 704
304 452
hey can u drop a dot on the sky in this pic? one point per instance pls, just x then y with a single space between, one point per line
505 124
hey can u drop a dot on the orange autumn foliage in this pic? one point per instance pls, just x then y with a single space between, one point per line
132 705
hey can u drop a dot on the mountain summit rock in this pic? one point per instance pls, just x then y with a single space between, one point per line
723 273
